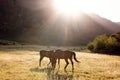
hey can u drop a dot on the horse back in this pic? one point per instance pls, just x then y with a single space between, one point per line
63 54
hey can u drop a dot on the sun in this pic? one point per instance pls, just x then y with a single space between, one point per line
70 7
67 7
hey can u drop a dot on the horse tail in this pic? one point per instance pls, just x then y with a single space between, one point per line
75 57
40 53
41 57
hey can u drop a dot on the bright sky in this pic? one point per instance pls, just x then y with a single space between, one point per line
109 9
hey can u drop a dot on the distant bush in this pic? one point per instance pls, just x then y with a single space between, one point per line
6 42
104 44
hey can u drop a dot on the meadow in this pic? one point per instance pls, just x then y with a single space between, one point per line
21 63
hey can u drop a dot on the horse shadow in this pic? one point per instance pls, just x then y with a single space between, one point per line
51 75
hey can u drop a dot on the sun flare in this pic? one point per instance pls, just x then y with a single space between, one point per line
71 7
67 7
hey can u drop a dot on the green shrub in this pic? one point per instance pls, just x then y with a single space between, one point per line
103 44
90 46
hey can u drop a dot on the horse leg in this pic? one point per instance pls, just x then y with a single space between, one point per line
72 64
40 61
58 64
66 60
53 61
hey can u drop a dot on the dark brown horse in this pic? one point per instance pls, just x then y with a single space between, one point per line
48 54
59 54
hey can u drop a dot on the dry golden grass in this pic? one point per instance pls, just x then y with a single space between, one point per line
23 65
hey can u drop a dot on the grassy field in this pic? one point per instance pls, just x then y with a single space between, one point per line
21 63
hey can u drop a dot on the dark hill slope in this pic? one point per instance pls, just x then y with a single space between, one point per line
22 22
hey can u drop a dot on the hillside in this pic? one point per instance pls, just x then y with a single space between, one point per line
23 23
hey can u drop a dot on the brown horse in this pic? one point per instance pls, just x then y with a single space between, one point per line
48 54
59 54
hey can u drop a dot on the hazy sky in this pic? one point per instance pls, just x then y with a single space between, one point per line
109 9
